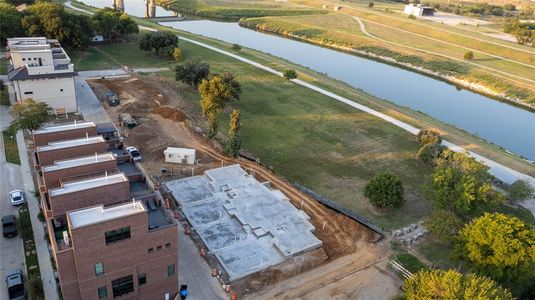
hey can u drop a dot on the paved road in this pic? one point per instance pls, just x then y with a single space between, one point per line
117 72
88 103
11 250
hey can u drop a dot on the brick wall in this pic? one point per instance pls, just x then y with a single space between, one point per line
127 257
52 179
106 195
49 157
45 138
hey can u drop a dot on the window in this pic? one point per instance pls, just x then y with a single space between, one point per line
23 59
168 245
117 235
102 292
99 269
28 93
122 286
159 248
61 90
151 250
142 278
170 270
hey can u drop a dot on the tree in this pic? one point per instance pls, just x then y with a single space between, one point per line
192 72
450 284
161 42
10 22
443 224
498 245
469 55
111 22
51 20
429 153
290 74
385 190
216 93
234 142
455 190
29 115
520 190
371 4
177 54
429 136
236 47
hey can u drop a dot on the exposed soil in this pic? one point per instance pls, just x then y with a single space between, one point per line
166 119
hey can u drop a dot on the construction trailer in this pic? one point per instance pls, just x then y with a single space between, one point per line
179 155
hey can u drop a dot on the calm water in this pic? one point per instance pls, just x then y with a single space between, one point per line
505 125
132 7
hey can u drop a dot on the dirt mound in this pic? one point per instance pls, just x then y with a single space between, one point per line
170 113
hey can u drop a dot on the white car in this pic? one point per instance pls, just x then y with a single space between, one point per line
134 152
17 197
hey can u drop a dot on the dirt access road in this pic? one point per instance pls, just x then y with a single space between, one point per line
167 119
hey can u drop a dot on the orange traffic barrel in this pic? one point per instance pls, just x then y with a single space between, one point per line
233 296
214 272
227 288
203 252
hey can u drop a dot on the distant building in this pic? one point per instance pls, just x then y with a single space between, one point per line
179 155
419 10
40 69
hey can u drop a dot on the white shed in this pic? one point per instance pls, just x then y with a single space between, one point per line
179 155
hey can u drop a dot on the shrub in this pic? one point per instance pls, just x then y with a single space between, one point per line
192 72
236 47
35 287
371 4
520 190
177 54
290 74
429 136
385 190
469 55
429 153
444 225
413 17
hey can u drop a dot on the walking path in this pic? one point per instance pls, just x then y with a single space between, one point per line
500 171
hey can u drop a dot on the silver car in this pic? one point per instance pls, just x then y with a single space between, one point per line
17 197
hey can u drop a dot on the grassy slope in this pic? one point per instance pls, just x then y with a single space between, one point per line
323 144
342 30
3 66
234 10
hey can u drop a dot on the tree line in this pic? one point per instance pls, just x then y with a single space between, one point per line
74 31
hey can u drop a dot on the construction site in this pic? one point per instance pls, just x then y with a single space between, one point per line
259 229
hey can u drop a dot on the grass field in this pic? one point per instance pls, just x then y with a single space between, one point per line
113 56
30 253
3 66
4 97
10 148
313 140
235 9
341 30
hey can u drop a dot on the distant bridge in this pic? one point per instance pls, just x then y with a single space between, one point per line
150 7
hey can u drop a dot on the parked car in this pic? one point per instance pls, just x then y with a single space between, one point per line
112 98
134 152
15 285
16 197
9 226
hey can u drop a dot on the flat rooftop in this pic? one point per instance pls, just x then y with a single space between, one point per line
81 185
64 127
247 225
98 214
70 143
81 161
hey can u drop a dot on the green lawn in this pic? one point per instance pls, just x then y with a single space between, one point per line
10 148
113 56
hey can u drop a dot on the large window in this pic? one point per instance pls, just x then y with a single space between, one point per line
99 269
122 286
102 292
117 235
171 270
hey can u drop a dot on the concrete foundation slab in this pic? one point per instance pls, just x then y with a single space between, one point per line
246 224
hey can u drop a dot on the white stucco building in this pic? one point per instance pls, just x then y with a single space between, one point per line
419 10
40 69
